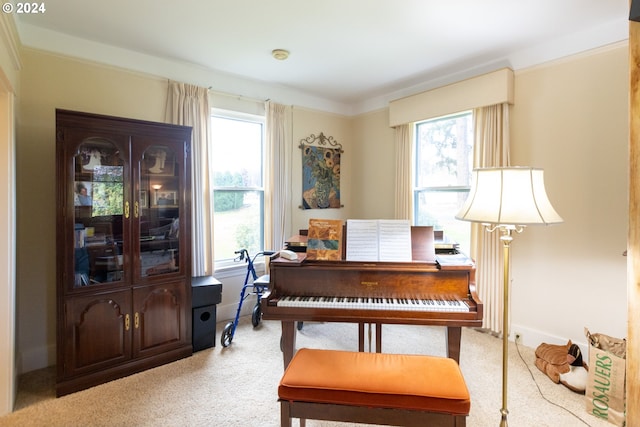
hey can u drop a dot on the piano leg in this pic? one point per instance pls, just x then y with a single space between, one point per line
288 341
361 340
454 333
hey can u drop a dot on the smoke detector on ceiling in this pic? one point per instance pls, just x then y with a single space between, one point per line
280 54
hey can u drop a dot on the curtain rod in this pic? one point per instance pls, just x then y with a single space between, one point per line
239 97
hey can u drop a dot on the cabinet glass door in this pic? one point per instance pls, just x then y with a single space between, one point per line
98 203
159 210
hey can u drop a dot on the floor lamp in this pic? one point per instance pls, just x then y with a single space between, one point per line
507 200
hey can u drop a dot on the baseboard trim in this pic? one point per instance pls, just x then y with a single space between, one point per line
36 358
533 338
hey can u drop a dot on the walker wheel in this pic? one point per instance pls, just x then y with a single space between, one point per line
227 335
256 315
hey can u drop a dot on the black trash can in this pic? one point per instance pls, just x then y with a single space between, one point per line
206 294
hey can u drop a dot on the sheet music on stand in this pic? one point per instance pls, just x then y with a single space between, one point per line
378 240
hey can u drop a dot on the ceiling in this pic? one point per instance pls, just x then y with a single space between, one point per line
345 51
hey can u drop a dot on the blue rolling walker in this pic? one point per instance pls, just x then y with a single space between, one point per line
259 286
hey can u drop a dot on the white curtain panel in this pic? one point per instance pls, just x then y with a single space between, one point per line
188 105
491 149
278 170
404 192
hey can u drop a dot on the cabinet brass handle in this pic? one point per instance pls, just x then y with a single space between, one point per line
127 322
136 209
126 210
137 320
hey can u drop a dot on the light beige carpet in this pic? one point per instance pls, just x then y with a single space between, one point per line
237 386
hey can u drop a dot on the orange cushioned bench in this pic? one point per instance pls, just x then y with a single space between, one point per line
373 388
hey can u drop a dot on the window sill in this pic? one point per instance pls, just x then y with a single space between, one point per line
233 269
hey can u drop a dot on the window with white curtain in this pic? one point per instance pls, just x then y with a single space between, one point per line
238 189
443 158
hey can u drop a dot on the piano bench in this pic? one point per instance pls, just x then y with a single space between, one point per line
373 388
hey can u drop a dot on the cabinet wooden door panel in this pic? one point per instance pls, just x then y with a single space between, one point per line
100 331
161 310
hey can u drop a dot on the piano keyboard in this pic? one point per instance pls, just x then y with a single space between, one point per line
373 303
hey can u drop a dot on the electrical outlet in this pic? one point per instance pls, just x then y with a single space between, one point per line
518 338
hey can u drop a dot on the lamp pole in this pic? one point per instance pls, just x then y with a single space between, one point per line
506 239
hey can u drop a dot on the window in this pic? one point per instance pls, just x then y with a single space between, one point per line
238 189
107 191
442 180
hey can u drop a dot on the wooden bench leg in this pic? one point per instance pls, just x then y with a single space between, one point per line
461 421
285 415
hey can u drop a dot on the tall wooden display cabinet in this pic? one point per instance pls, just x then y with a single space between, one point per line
123 247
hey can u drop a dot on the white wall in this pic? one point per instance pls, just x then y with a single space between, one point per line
374 166
9 84
571 119
8 383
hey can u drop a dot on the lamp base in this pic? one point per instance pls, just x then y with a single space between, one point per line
503 422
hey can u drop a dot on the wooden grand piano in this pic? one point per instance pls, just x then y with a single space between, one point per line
416 293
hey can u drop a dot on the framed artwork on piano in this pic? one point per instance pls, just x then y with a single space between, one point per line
324 239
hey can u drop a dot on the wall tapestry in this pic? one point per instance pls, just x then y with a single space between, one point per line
320 172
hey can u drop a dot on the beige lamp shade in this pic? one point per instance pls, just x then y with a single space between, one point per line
508 196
